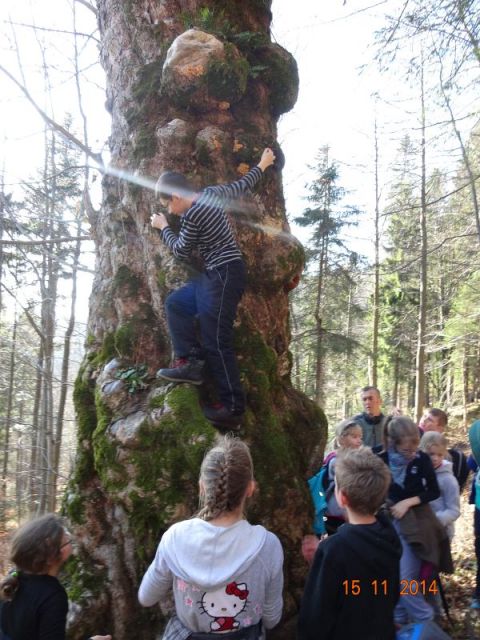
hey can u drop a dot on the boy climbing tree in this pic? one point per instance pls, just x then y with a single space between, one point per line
211 297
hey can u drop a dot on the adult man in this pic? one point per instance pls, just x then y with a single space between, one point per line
372 420
436 420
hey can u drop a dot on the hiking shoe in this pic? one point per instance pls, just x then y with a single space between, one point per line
222 418
475 603
184 370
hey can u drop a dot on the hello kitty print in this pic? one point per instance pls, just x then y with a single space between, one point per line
223 605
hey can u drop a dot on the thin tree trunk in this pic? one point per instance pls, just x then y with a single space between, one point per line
65 369
347 400
376 287
8 427
465 155
422 306
34 477
465 379
296 349
396 381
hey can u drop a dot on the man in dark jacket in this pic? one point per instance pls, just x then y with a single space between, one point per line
372 420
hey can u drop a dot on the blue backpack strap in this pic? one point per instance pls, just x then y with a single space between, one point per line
317 491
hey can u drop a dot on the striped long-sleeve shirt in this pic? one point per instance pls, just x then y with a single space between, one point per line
205 225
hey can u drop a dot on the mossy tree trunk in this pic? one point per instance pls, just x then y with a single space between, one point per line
197 89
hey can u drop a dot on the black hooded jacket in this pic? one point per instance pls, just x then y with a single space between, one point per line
353 585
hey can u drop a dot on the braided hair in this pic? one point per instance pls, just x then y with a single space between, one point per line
226 471
35 545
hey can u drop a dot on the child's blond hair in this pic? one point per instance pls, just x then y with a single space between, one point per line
225 474
364 479
433 439
341 429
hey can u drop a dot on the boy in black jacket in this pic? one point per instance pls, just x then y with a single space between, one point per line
353 585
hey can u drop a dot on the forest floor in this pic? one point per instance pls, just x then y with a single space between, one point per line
458 587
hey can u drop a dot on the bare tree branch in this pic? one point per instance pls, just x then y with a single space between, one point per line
29 316
88 5
96 157
43 242
33 26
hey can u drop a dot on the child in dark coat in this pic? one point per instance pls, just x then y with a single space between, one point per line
353 585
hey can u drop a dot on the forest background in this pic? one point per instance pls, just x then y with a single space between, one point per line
381 185
381 180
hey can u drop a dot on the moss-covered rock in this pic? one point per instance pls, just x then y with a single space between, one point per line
173 139
278 70
226 77
203 73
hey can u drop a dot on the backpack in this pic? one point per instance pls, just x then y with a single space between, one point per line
459 466
318 485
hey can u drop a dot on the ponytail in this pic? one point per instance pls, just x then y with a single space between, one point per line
9 585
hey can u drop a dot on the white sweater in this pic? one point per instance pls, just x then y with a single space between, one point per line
223 578
447 506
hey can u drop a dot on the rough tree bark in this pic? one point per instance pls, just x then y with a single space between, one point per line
203 101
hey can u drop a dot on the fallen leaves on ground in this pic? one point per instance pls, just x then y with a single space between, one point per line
459 586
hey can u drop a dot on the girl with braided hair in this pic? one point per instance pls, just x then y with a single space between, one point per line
226 574
33 603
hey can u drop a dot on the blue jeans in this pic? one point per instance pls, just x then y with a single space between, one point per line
410 607
212 298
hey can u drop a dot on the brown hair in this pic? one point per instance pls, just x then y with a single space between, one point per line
34 547
433 438
371 388
363 477
397 428
440 415
225 474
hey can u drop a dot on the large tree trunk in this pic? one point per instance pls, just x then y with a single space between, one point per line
204 105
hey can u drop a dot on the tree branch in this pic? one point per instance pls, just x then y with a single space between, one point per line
29 316
96 157
40 242
88 5
33 26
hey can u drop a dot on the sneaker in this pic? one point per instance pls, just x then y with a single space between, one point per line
222 418
475 603
184 370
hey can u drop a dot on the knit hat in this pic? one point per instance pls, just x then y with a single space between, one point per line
474 437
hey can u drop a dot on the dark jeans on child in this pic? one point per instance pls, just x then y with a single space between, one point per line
212 298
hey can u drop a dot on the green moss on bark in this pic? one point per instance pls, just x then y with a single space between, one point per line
145 144
167 463
105 449
106 352
80 584
227 78
125 281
